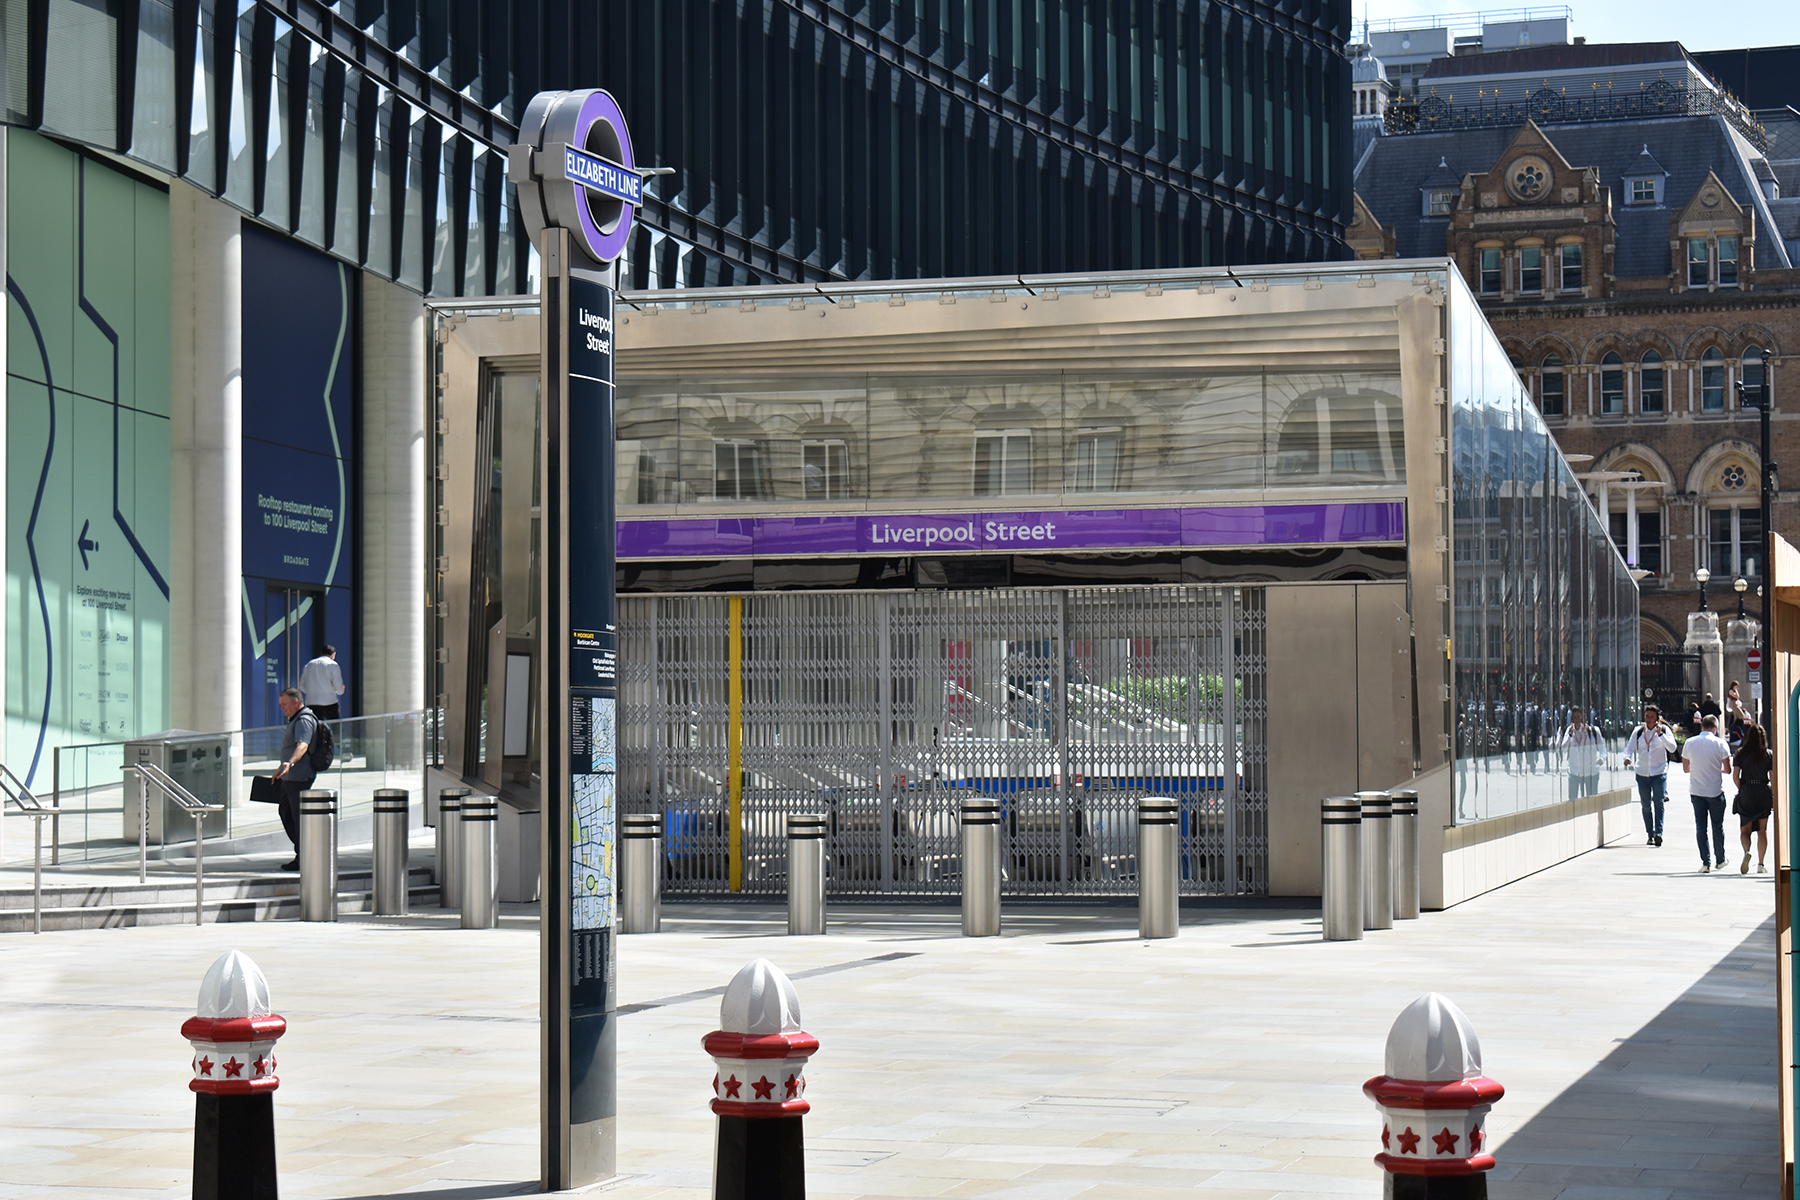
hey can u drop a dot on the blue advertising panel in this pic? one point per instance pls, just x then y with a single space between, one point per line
299 466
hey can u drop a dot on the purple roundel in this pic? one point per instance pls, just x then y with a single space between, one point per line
604 245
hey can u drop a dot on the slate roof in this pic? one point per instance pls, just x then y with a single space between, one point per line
1686 147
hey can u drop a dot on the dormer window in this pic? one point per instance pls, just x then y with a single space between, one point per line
1440 203
1644 182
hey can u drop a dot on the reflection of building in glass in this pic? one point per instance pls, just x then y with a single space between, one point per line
1042 537
1638 269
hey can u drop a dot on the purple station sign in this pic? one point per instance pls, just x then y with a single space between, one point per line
1223 527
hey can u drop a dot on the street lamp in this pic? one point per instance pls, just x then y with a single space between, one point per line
1703 575
1761 397
1740 586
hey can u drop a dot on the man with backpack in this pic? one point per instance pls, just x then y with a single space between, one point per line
306 750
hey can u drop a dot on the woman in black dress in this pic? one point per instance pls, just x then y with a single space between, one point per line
1750 772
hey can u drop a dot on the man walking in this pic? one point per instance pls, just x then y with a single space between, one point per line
1647 753
1706 758
321 683
295 774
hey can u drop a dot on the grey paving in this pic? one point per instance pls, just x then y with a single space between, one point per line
1625 1001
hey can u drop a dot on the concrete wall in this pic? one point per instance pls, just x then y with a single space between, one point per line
1484 855
394 516
1340 711
206 597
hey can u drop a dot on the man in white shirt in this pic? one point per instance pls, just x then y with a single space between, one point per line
1647 752
321 683
1706 758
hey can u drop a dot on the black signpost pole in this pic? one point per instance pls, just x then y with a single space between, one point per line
578 191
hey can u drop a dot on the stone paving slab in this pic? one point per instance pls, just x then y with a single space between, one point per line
1626 1003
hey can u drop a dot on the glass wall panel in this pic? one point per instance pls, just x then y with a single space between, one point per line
474 277
412 237
311 164
240 178
153 97
1544 642
384 188
1050 436
350 207
275 209
203 130
81 101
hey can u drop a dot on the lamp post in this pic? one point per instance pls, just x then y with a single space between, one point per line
1703 575
1761 397
1740 585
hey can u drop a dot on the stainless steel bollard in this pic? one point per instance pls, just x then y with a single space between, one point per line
480 880
981 867
318 856
640 873
1378 859
1340 828
1406 854
1159 866
391 836
449 847
806 873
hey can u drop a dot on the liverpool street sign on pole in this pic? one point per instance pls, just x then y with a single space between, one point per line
579 189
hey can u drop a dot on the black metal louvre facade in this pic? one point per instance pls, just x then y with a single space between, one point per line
811 140
872 140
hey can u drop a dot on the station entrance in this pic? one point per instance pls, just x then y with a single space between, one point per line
884 710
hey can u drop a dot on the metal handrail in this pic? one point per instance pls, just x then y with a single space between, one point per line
13 790
150 774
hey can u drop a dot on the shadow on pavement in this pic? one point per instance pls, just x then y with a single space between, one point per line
1685 1108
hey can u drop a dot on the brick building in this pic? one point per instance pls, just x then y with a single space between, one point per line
1636 268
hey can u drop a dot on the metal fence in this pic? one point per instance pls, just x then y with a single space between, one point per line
885 710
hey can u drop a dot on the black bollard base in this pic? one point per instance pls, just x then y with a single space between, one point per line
1437 1187
759 1158
234 1146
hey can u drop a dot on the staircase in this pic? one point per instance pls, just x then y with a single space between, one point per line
169 900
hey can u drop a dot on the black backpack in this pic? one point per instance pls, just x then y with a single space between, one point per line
323 748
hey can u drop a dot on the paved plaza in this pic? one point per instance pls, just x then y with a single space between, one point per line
1625 1001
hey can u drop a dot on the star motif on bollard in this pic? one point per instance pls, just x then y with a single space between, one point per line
260 1065
764 1089
205 1064
793 1086
234 1068
1385 1143
1409 1142
1446 1141
1475 1141
731 1086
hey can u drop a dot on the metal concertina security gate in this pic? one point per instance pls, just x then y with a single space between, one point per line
884 710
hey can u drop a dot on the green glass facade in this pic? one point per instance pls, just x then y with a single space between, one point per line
87 452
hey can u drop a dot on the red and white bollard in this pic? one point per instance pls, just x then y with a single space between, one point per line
234 1036
759 1091
1434 1104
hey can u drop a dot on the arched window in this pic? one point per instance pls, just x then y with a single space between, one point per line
1650 383
1550 386
1712 381
1752 373
1612 384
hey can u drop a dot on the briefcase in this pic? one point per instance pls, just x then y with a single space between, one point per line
264 791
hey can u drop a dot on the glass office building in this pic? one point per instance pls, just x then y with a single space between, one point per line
236 207
1244 539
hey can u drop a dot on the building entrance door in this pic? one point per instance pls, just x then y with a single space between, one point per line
293 619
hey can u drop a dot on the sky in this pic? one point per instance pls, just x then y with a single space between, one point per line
1715 26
